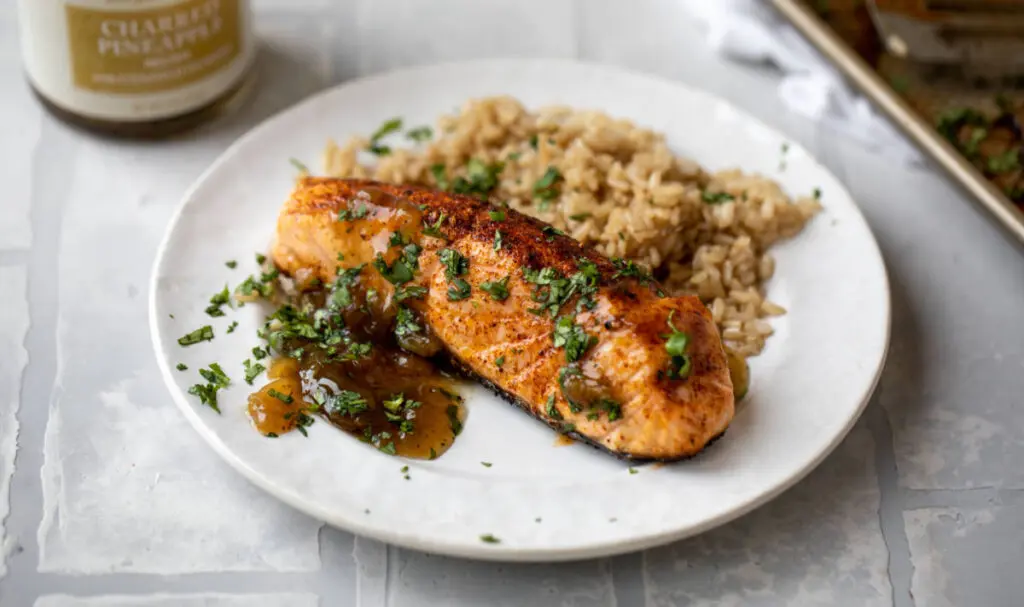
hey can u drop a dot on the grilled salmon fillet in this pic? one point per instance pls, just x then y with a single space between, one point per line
592 364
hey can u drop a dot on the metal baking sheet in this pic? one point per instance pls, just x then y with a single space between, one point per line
837 41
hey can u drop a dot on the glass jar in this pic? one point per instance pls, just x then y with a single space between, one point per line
137 68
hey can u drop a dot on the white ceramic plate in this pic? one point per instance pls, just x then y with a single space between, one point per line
542 501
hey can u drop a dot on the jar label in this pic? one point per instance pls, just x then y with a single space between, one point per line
148 51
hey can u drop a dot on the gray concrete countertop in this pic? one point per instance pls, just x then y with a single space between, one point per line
923 504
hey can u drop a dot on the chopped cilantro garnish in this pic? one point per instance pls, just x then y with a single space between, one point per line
486 464
716 197
455 263
453 419
497 240
675 345
218 300
497 289
488 538
435 229
345 402
252 370
553 290
298 165
499 361
388 127
632 470
420 134
388 448
341 291
409 292
544 188
396 239
573 338
349 215
181 367
551 231
405 322
261 258
398 273
496 215
628 269
817 193
440 176
259 353
579 216
458 289
533 141
552 411
231 264
281 396
204 333
480 178
231 328
207 393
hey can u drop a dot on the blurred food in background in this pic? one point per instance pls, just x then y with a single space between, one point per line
960 63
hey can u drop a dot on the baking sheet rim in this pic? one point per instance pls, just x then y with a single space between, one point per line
906 119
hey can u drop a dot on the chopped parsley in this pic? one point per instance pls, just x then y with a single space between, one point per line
440 176
409 292
396 239
405 322
544 188
299 165
345 402
534 139
281 396
262 286
455 263
388 448
204 333
486 464
625 268
579 216
350 215
207 393
716 197
553 290
231 264
397 273
259 353
453 419
488 538
497 240
389 126
219 299
497 289
552 411
420 134
817 193
252 370
181 367
458 289
480 180
231 328
261 258
573 338
341 291
499 361
675 344
435 229
496 215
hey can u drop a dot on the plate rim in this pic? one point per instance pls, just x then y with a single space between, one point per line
499 552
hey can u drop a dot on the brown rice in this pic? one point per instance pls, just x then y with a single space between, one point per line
622 191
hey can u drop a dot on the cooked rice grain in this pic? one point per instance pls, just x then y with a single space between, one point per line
622 191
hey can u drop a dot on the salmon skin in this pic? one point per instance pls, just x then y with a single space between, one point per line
590 346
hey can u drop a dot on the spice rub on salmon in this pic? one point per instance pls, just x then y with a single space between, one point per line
588 345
